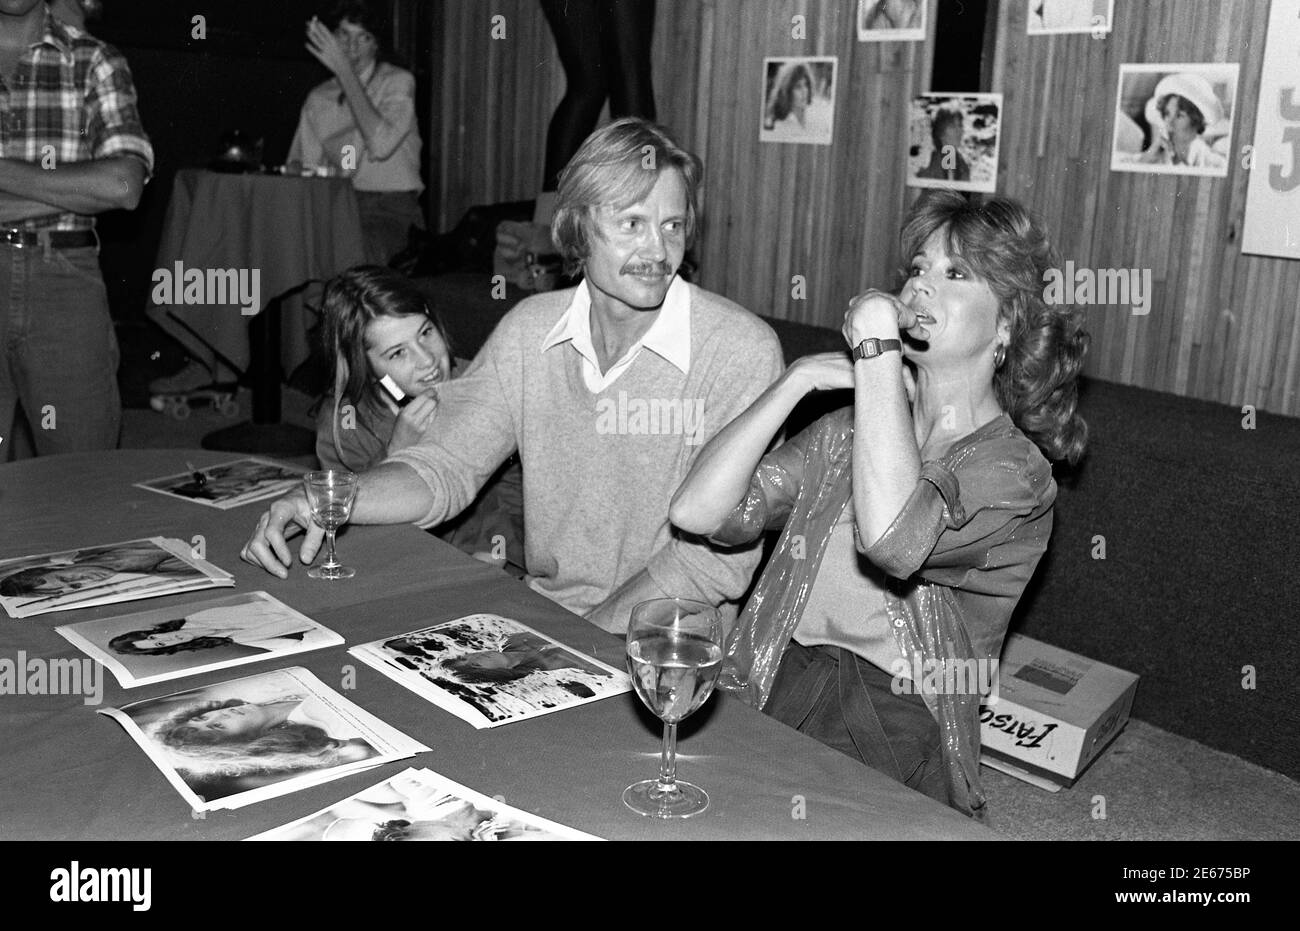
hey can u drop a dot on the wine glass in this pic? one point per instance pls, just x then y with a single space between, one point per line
330 494
674 654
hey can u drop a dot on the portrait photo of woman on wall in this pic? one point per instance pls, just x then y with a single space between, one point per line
1175 119
798 100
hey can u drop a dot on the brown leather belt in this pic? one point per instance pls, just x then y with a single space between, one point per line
58 239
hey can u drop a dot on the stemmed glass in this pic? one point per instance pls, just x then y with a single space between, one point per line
674 653
330 494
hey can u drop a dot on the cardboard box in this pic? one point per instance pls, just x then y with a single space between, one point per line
1055 712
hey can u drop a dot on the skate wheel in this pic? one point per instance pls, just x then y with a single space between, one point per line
181 410
158 403
227 407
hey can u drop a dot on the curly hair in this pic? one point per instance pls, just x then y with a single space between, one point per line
125 643
285 748
1007 247
617 166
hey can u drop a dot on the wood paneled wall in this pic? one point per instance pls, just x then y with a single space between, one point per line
1222 326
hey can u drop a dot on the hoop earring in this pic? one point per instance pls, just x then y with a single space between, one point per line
999 356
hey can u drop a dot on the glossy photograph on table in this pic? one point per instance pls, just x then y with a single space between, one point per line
235 743
185 640
420 805
228 485
109 573
490 670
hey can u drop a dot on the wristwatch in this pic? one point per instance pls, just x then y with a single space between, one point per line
872 347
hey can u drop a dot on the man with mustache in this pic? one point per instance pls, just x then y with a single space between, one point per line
676 362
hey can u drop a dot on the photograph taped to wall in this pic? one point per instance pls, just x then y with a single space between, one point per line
954 141
891 20
798 100
1053 17
1175 118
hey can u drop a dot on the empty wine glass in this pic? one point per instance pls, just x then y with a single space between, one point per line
674 653
330 494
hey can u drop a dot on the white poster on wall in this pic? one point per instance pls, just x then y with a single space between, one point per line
1272 225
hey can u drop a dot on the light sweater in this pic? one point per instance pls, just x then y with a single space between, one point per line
599 468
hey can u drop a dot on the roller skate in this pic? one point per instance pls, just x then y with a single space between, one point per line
193 386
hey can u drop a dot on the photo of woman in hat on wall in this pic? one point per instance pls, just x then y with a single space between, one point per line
1174 121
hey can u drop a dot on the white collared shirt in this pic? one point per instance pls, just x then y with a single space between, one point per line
668 337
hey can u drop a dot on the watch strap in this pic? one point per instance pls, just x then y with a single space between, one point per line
871 347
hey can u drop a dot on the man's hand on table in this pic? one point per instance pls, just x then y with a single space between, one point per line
267 547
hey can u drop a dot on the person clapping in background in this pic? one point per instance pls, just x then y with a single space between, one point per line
361 123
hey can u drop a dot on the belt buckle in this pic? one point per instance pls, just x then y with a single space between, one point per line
12 237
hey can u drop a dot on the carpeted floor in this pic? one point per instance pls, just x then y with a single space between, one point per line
1151 785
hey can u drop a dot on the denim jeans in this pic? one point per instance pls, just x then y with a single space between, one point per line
847 703
58 353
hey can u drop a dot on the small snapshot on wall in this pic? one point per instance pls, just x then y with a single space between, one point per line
1175 119
954 141
891 20
1051 17
798 100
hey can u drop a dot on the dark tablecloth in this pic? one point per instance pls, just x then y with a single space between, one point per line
69 773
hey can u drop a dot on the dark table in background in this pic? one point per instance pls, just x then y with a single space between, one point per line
293 231
71 774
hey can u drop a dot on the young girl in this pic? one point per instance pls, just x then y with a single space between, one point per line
377 325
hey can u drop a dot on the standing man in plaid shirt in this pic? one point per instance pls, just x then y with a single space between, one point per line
71 146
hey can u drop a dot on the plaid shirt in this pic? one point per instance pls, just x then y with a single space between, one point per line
73 97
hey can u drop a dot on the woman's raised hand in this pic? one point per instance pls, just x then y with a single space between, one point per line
325 48
413 422
878 314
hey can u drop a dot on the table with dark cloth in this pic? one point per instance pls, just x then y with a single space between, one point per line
293 230
71 774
